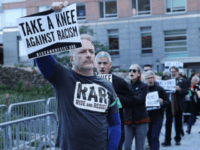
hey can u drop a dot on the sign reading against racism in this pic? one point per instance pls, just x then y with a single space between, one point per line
50 32
168 85
91 97
152 101
168 65
106 77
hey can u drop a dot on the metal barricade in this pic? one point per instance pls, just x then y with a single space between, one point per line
26 109
3 113
29 133
52 105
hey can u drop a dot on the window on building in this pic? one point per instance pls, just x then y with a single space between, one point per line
146 40
113 39
11 1
11 15
108 9
141 7
43 8
175 6
81 15
175 43
22 55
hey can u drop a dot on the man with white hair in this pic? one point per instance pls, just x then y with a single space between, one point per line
156 116
103 65
87 118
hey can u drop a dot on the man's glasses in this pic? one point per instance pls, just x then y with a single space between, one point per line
134 71
145 70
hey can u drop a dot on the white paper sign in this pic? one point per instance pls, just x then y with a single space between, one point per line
50 32
168 66
152 99
153 108
91 97
107 77
168 85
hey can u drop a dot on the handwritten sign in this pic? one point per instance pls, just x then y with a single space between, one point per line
107 77
152 101
168 85
50 32
168 66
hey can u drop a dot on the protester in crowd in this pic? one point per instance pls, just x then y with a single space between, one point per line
194 98
165 76
82 126
197 74
122 89
147 67
135 117
183 74
192 74
176 108
157 115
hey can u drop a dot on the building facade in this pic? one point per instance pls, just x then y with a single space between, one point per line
137 31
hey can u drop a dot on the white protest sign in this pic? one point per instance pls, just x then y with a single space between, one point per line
152 99
168 65
168 85
50 32
153 108
107 77
91 97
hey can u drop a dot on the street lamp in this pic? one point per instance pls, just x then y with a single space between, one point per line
157 64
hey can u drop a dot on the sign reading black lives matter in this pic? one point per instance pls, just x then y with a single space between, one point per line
152 101
107 77
50 32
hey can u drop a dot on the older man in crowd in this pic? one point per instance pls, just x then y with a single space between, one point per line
103 65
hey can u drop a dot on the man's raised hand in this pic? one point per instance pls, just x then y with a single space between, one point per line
57 6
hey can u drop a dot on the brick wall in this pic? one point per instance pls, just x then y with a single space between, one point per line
124 8
92 10
193 5
158 7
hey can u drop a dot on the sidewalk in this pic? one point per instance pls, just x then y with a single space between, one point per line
189 141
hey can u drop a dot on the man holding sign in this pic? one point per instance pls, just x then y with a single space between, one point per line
84 100
156 115
103 65
176 108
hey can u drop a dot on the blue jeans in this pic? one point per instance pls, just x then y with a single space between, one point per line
154 133
139 131
191 120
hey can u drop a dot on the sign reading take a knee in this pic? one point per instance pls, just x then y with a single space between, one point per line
50 32
107 77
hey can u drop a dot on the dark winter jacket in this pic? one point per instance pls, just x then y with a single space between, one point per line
135 110
159 113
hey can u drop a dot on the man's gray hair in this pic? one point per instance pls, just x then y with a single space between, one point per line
103 54
82 36
196 78
150 72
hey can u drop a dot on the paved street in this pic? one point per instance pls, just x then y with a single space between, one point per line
189 141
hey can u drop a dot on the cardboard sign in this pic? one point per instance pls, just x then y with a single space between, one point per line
168 66
50 32
107 77
91 97
152 99
168 85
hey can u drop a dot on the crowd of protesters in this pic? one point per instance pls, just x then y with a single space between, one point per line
81 127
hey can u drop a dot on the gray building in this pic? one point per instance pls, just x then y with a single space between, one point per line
143 32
